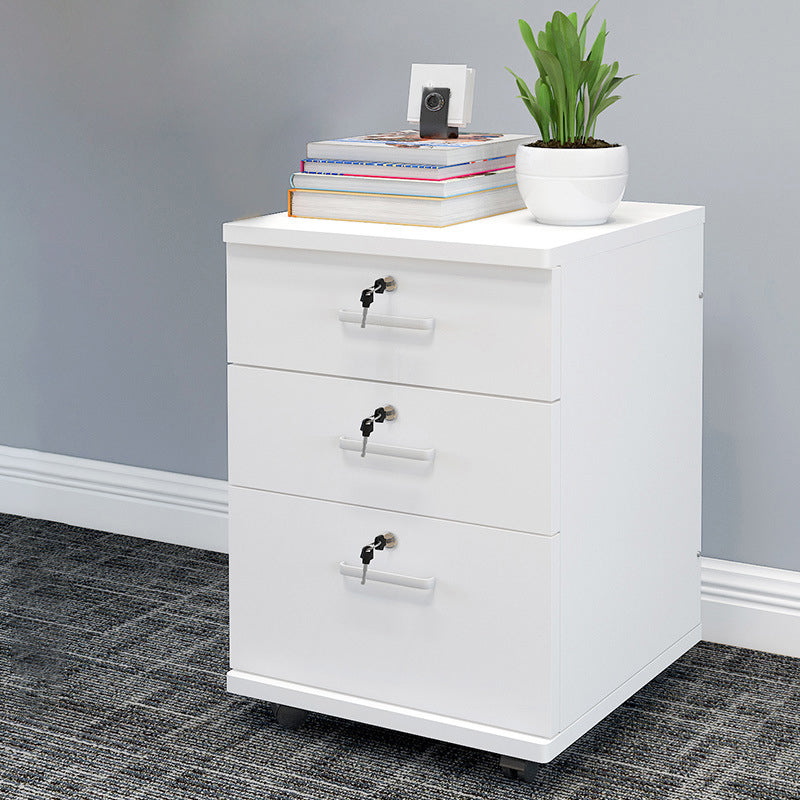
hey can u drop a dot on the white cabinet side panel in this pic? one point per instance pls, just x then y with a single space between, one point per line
631 460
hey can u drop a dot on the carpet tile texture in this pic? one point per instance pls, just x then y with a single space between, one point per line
113 652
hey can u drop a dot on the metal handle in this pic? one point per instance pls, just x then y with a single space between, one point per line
355 570
388 321
413 453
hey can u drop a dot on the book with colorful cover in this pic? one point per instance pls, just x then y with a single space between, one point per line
436 212
421 172
399 186
406 147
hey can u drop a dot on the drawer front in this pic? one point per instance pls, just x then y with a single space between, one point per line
472 458
474 328
474 640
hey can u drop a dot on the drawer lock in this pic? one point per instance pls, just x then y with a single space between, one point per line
387 284
381 414
382 541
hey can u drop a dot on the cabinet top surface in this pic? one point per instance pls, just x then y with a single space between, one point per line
515 239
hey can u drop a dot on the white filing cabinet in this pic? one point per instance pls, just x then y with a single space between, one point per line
542 477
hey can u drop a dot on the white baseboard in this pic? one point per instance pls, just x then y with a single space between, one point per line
750 606
151 504
742 604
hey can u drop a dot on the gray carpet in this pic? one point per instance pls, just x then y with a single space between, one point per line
113 654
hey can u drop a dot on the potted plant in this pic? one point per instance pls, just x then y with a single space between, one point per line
569 177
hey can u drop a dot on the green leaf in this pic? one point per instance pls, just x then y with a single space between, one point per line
583 95
527 37
602 88
602 106
596 53
605 104
534 110
542 122
548 38
565 39
573 18
555 77
527 102
594 92
530 42
542 39
583 72
582 33
592 75
521 85
617 81
595 58
544 97
601 74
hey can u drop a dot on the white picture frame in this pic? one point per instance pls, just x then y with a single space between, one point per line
459 78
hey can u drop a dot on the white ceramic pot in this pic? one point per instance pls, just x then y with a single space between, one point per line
572 186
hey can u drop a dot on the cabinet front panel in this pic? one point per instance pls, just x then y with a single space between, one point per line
486 329
472 458
474 640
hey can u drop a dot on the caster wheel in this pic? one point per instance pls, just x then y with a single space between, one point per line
516 769
511 774
288 717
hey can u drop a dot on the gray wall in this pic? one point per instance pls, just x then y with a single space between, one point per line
129 131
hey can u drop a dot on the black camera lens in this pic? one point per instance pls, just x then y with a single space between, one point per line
434 101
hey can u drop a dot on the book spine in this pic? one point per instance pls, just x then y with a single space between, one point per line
414 177
405 196
330 192
366 191
411 165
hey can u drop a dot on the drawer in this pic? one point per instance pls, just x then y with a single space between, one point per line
466 457
475 328
455 620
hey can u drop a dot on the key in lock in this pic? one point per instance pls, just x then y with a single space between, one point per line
381 542
381 414
381 285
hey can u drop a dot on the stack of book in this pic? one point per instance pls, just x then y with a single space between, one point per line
402 179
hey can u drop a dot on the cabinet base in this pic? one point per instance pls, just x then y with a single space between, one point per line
449 729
